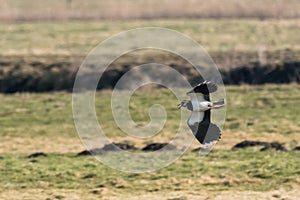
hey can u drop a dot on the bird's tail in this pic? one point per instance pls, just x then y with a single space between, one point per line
219 104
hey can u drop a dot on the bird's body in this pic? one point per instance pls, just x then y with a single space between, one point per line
200 105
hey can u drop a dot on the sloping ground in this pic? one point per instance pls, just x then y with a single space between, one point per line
58 73
277 73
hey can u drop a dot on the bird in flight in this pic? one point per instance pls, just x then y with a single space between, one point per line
199 122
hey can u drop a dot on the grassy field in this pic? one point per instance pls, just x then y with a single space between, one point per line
79 38
50 114
43 122
44 38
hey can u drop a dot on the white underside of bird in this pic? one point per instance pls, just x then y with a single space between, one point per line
205 132
200 105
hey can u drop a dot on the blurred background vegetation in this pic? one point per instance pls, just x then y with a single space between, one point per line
41 47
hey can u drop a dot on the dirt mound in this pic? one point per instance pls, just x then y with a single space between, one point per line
158 146
106 148
265 145
118 147
248 143
96 151
274 145
297 148
38 154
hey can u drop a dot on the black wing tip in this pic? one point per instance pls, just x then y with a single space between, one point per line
209 88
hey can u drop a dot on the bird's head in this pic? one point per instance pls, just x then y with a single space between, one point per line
209 105
183 104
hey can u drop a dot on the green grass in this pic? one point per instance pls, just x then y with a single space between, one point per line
36 114
249 109
263 109
220 171
81 37
43 122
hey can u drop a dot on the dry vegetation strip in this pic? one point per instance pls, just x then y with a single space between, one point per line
144 9
215 35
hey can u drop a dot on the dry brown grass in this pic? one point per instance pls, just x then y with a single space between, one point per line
28 145
142 9
106 194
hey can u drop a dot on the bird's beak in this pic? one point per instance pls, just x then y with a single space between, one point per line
179 106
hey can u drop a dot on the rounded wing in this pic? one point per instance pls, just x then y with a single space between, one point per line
204 131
